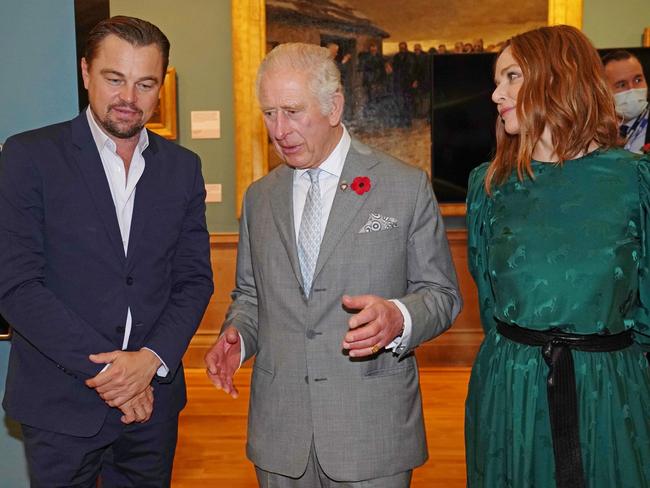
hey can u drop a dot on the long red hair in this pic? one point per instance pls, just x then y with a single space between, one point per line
564 90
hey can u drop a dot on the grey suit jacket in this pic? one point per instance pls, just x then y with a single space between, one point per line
364 415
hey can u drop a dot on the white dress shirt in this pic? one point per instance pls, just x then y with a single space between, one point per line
328 180
122 187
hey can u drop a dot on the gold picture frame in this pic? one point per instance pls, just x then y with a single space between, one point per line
249 44
5 330
163 121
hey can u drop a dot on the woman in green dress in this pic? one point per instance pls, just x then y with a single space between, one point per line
559 247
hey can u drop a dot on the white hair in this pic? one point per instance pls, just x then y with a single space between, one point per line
324 77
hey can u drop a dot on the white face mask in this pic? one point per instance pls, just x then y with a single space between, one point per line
630 103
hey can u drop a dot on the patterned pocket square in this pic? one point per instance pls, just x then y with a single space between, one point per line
377 222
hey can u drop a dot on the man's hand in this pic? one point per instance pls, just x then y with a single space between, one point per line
139 408
376 324
222 360
129 374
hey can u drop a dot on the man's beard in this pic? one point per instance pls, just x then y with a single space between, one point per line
116 128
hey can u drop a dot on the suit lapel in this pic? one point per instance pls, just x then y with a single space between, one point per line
90 166
145 193
282 210
347 203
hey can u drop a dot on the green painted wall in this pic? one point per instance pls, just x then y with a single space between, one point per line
200 36
615 24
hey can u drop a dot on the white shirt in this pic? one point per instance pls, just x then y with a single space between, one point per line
328 181
122 187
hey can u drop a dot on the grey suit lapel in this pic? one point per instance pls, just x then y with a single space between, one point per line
347 203
282 210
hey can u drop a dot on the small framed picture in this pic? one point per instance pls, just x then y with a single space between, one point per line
163 120
5 330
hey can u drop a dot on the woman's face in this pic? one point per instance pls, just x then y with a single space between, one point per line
508 79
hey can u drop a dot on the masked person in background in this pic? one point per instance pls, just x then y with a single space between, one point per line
628 83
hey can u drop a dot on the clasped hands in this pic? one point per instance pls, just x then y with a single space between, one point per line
374 326
126 383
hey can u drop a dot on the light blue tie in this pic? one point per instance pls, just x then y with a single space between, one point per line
309 236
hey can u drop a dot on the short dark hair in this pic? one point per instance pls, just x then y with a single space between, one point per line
136 32
619 55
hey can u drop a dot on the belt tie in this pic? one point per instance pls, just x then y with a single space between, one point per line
556 349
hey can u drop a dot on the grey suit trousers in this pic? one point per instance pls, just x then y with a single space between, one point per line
315 477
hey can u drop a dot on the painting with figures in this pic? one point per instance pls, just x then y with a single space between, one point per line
386 59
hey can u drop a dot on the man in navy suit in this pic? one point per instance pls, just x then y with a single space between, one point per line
104 274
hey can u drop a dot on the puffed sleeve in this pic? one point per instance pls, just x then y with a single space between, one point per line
642 316
478 204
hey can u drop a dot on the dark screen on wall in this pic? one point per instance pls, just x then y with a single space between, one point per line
464 116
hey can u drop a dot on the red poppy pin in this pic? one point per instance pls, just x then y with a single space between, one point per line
646 148
361 184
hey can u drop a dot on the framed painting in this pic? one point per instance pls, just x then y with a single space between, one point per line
350 28
163 120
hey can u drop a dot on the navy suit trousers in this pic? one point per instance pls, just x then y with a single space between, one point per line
134 455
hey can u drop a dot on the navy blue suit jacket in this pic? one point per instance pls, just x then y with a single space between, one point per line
65 283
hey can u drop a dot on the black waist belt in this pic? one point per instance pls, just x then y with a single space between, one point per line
561 389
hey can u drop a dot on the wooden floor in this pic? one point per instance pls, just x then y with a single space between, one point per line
212 434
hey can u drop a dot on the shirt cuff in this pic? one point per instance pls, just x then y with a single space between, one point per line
243 350
401 342
163 370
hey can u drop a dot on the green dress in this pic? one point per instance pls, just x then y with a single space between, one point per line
568 249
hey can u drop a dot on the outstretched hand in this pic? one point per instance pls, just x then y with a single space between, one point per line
223 359
373 327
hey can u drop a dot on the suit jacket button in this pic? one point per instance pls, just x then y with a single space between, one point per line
119 329
307 379
310 334
129 280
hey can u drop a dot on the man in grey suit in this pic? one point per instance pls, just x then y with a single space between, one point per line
326 241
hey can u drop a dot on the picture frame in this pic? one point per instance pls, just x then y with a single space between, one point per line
249 48
163 121
5 329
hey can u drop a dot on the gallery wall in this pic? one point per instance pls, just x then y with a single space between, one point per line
200 33
615 24
200 36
